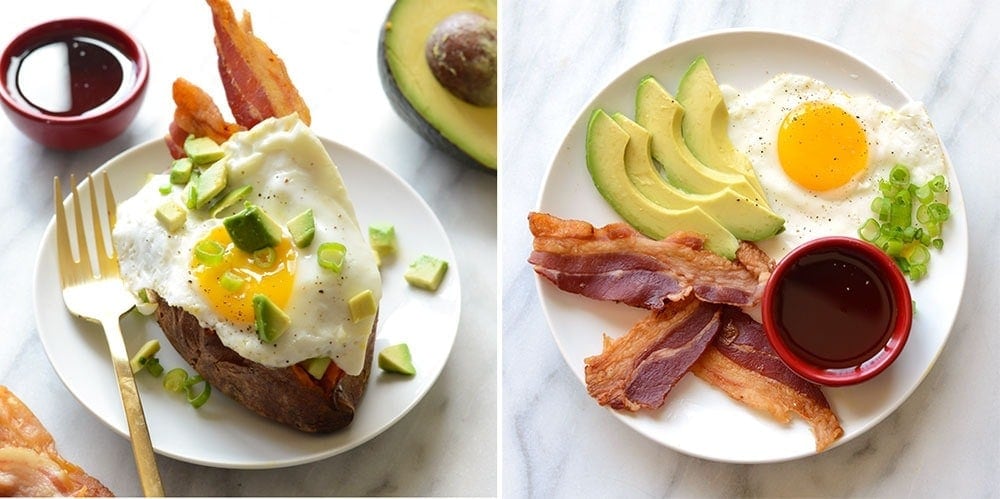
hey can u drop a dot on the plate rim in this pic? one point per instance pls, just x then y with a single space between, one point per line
706 37
453 319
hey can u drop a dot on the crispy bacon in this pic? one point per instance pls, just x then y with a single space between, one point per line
256 81
742 363
617 263
196 114
639 369
29 462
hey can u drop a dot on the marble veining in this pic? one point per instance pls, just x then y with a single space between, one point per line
556 442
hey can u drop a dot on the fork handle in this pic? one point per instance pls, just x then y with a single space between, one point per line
142 447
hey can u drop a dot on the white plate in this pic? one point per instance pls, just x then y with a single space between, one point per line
698 419
222 433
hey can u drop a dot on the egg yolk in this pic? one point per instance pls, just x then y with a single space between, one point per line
821 146
232 298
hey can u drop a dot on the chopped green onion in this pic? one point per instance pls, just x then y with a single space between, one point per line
899 177
331 256
175 379
154 367
938 212
198 400
209 252
265 258
924 193
916 254
231 281
882 207
142 356
896 229
869 231
938 184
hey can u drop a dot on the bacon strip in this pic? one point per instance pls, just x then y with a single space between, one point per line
742 363
196 114
617 263
256 81
29 462
639 369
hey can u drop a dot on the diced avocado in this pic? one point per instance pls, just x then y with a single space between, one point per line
706 124
230 198
316 366
171 215
270 320
382 237
302 227
191 191
146 352
606 145
166 189
396 359
202 150
252 229
661 115
426 272
741 216
212 181
180 171
362 305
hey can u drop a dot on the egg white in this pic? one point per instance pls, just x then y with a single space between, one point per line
903 135
289 171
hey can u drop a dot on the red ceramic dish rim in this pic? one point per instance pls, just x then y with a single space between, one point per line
901 330
44 32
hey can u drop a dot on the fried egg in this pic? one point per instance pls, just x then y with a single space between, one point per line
820 152
289 172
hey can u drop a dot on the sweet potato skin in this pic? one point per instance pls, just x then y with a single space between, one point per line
280 394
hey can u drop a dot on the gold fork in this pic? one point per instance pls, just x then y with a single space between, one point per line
99 295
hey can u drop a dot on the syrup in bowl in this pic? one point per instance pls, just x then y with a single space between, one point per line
72 75
73 83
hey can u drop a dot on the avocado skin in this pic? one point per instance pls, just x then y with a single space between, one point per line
404 108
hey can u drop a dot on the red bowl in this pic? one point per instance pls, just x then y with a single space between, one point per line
816 318
69 129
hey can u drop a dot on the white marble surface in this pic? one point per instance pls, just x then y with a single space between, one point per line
447 445
556 441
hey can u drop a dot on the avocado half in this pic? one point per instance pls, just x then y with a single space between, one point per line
465 131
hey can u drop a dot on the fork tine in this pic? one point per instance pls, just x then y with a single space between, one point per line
81 233
109 203
65 254
105 263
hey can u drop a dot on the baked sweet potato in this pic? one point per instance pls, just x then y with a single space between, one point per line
288 395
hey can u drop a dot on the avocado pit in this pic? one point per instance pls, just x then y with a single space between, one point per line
461 52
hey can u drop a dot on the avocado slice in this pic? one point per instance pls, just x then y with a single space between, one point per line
658 112
464 130
706 123
606 146
740 215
